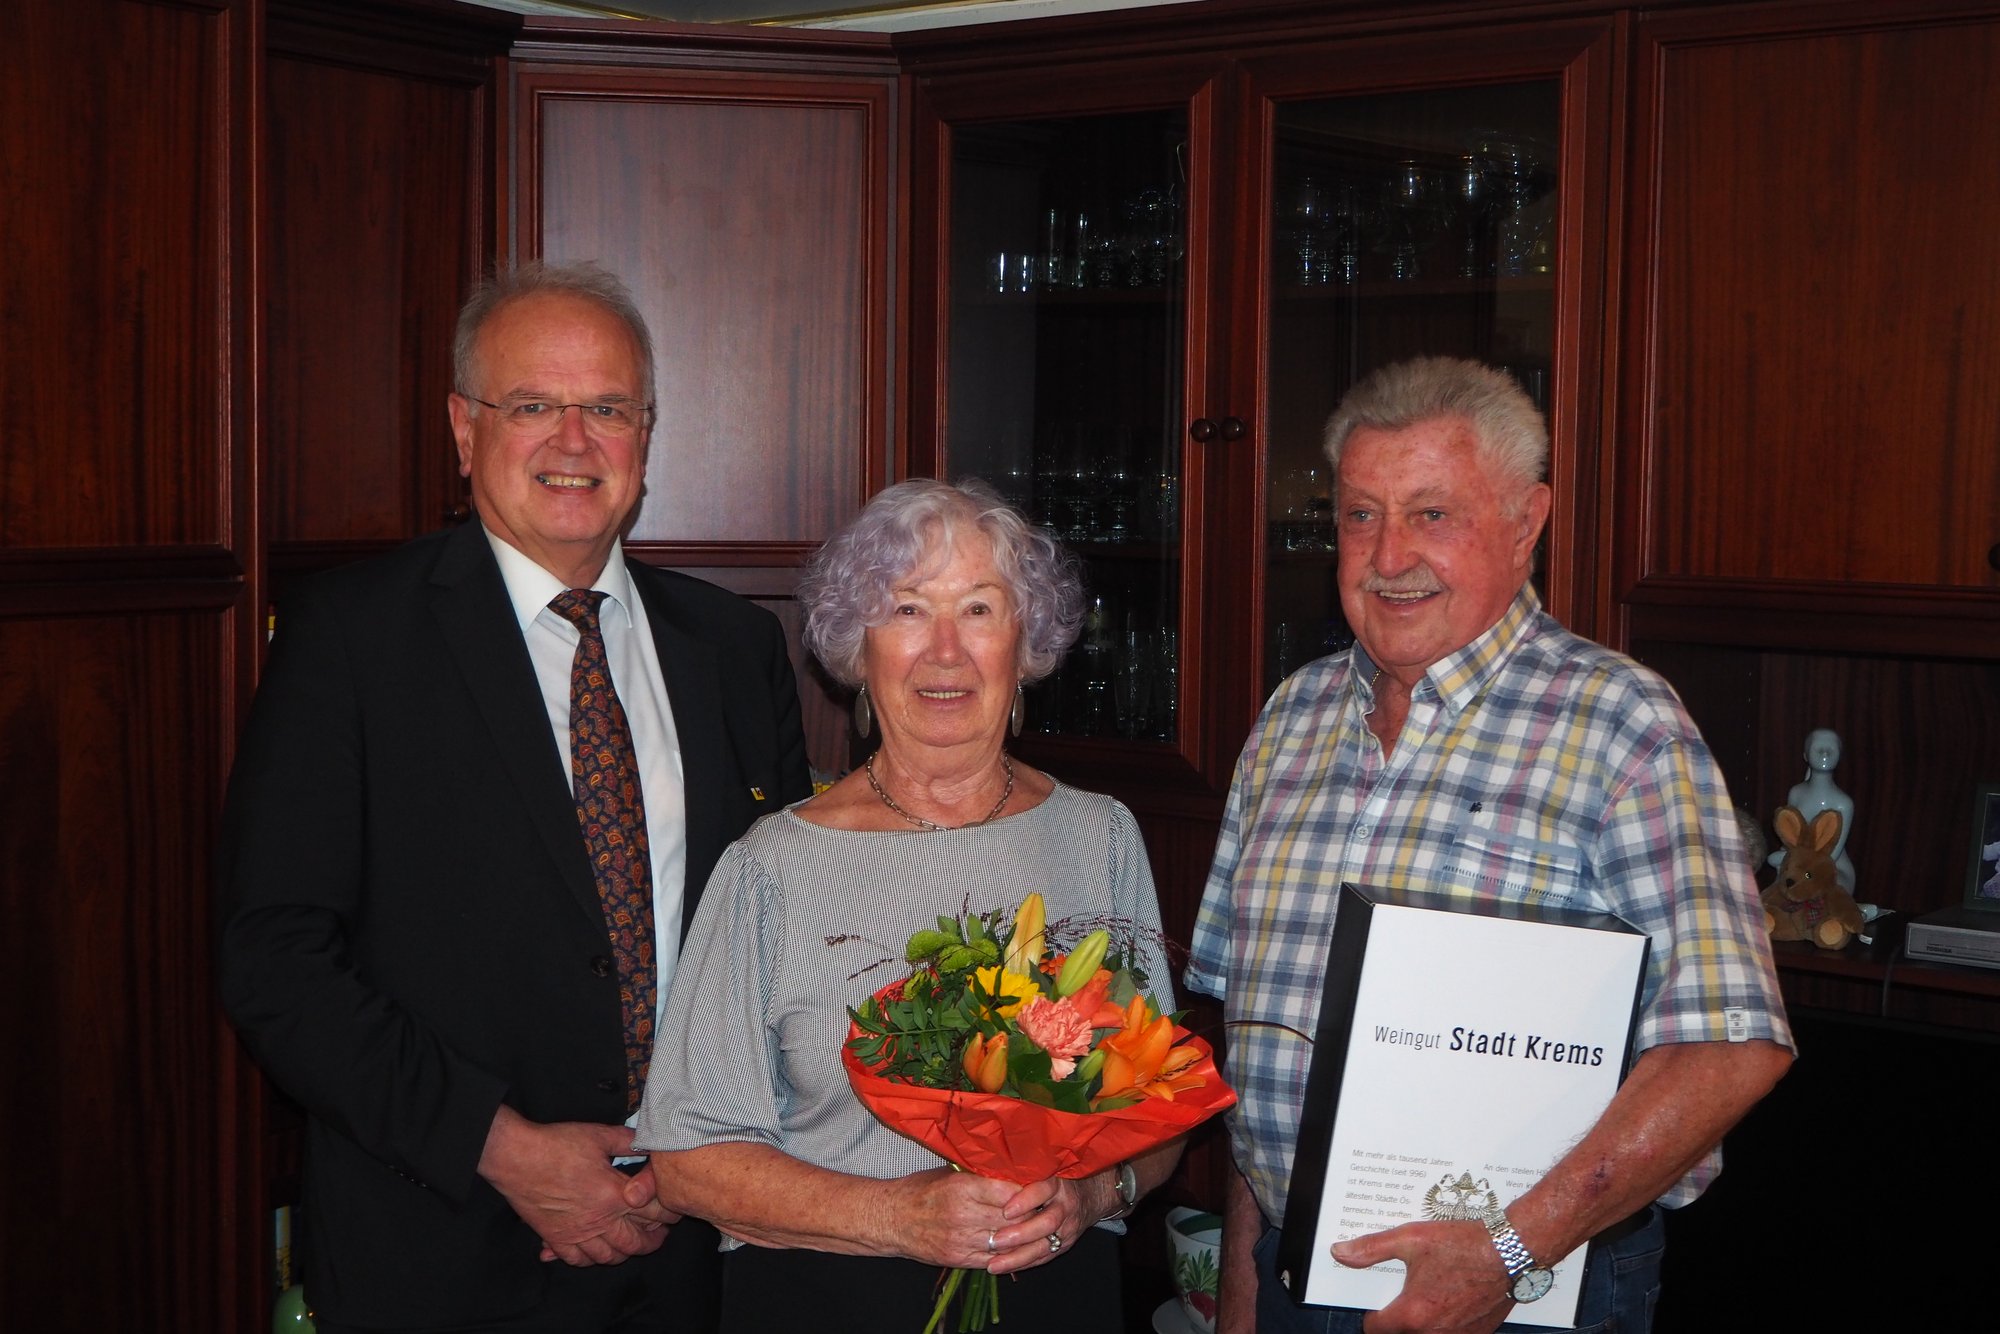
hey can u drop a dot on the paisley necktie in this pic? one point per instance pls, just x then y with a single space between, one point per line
604 772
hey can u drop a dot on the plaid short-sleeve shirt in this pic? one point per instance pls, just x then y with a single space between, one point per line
1533 764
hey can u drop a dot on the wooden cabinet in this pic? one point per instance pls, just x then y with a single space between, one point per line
1807 499
1819 316
744 186
1403 196
1765 327
1285 217
1063 239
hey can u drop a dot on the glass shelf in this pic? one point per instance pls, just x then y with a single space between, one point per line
1400 225
1066 332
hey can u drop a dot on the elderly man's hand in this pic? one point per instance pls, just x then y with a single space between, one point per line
560 1180
1453 1283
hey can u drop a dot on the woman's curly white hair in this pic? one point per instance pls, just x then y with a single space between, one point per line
849 585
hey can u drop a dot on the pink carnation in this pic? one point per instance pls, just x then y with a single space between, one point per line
1058 1030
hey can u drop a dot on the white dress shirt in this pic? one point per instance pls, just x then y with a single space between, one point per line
642 690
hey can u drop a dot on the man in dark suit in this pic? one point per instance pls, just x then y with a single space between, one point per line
417 941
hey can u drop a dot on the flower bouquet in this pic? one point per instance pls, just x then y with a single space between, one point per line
1015 1061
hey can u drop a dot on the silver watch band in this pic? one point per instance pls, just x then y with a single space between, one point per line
1513 1251
1127 1186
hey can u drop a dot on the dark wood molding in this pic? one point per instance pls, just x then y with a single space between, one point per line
425 39
723 48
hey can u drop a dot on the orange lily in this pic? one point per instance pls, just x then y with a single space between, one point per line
1092 1001
1140 1060
985 1062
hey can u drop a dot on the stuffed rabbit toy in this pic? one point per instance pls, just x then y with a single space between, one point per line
1806 901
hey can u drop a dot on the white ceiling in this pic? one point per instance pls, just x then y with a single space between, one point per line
857 15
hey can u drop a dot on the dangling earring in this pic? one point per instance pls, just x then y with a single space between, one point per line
1019 713
864 713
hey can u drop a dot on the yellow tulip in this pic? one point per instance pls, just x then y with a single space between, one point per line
985 1062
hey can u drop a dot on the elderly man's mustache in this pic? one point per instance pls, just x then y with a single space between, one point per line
1418 580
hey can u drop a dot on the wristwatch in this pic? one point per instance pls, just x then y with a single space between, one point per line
1526 1280
1128 1192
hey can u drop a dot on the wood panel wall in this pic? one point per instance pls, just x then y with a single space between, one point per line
1826 387
127 623
381 219
1808 479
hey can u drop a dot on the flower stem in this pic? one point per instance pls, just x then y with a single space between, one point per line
949 1289
978 1294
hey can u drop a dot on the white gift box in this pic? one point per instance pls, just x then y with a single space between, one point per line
1461 1051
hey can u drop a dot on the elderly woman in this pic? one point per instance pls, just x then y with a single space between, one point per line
940 603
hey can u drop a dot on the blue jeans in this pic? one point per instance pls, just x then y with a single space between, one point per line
1621 1288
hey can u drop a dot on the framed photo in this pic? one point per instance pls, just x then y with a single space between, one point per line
1982 884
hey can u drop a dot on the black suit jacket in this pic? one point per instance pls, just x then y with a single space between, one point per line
410 931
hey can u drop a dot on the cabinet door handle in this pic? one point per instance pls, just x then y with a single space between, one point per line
1233 428
1202 429
457 513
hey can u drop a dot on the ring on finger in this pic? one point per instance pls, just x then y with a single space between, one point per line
1055 1242
990 1247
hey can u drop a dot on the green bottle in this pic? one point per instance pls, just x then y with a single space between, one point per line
290 1314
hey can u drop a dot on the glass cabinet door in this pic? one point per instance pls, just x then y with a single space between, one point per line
1065 342
1401 224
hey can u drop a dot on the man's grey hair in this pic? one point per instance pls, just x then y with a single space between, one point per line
586 281
850 584
1507 428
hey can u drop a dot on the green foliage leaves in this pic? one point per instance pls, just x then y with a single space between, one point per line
917 1031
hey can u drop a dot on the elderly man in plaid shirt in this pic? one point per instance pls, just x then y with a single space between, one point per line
1467 743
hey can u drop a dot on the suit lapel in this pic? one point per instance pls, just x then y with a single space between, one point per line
469 599
694 692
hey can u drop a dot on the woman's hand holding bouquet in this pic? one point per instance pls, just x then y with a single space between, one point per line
1024 1065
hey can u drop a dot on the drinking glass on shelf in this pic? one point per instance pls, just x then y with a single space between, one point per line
1047 479
1132 685
1308 233
1525 205
1412 218
1052 271
1166 682
1173 237
1341 256
1000 272
1091 666
1472 186
1077 273
1079 498
1116 493
1167 506
1107 259
1147 243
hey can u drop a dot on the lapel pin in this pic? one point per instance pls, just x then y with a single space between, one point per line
756 794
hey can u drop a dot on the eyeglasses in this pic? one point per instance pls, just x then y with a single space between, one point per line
538 417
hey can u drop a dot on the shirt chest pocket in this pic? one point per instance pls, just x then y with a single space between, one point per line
1487 864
